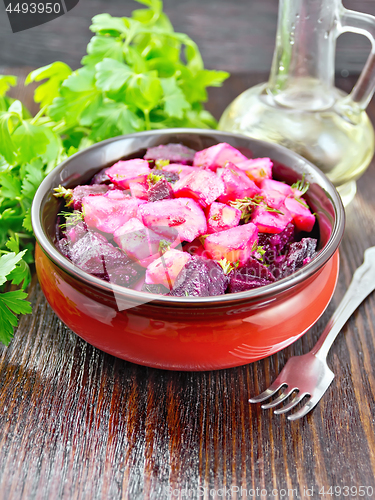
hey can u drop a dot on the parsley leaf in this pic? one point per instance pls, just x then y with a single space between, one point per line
7 124
56 73
30 141
102 47
7 263
10 185
111 75
175 102
26 223
34 174
11 303
6 81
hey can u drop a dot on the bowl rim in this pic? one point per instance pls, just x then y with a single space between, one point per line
139 297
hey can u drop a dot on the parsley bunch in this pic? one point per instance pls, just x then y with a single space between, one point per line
138 74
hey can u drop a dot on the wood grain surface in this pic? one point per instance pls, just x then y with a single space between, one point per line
76 423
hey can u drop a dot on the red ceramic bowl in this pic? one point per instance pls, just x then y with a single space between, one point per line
188 333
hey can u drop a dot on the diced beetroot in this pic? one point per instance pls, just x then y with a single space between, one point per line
203 186
109 211
302 217
271 185
175 153
181 214
234 244
76 231
218 156
63 245
162 190
221 217
299 252
168 176
95 255
200 278
257 169
122 172
255 269
252 275
80 192
139 188
237 184
242 284
124 275
274 245
196 247
165 269
271 222
178 168
101 177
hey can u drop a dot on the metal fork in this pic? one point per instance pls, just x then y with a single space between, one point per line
309 374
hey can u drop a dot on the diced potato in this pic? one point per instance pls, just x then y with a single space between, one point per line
183 215
302 217
271 222
235 245
221 217
165 269
271 185
139 242
203 186
236 184
218 156
109 211
122 172
257 169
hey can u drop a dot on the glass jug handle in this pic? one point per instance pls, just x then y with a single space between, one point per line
363 24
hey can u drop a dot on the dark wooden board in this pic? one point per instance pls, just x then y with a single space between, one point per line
237 35
76 423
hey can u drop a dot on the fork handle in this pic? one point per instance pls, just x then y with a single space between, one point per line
362 284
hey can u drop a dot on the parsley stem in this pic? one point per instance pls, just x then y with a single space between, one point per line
20 200
146 113
38 115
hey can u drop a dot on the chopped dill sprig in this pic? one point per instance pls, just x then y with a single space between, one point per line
274 210
234 172
228 266
302 185
62 192
71 218
247 205
202 238
159 164
164 246
303 203
154 178
259 252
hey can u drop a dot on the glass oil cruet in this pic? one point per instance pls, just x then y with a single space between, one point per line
300 107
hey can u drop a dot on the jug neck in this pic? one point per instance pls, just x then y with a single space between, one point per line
302 74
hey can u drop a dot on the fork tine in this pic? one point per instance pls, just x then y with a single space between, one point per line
292 404
285 394
272 389
308 406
